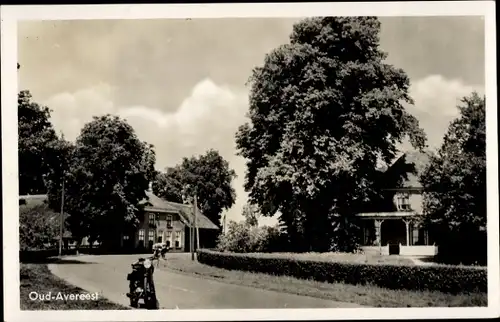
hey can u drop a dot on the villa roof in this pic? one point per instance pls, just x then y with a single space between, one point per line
407 169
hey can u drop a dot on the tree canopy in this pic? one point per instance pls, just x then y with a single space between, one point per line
108 173
37 141
455 180
324 109
207 175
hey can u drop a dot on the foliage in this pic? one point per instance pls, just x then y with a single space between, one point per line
208 175
448 279
244 238
251 214
169 184
236 239
324 110
108 172
38 227
36 139
455 183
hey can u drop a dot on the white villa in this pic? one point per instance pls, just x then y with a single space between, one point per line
393 227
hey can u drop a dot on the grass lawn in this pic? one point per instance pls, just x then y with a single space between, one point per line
365 295
38 278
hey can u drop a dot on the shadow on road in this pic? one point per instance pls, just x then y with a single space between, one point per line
54 260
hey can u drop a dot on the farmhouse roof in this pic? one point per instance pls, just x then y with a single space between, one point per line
186 212
154 203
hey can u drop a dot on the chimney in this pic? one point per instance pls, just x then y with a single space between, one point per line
150 189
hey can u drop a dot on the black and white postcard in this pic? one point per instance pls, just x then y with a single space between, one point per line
250 161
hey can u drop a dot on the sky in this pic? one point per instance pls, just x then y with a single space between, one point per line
182 83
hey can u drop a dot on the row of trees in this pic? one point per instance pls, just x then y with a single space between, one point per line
105 174
325 111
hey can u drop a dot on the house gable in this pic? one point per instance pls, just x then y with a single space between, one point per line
405 172
401 186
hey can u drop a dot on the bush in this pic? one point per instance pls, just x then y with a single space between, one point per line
38 227
448 279
243 238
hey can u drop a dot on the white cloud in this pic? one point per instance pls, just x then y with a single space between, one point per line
436 99
440 96
208 118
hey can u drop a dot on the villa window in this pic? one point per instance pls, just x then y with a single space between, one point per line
169 220
151 235
141 234
177 239
159 239
168 237
403 202
151 218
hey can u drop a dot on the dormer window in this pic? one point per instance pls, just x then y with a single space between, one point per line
403 202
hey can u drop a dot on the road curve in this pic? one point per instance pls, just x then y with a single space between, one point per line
107 274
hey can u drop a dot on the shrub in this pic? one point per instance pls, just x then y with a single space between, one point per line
243 238
448 279
237 239
38 227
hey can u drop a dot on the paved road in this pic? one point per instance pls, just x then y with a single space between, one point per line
106 274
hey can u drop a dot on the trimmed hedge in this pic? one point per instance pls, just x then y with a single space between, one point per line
448 279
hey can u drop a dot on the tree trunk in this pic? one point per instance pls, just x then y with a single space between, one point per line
77 246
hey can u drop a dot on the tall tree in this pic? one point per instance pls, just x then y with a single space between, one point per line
208 175
323 110
108 174
169 184
62 153
36 139
455 181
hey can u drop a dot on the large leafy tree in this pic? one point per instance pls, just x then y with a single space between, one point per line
37 139
207 175
324 109
169 184
455 180
61 161
108 173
